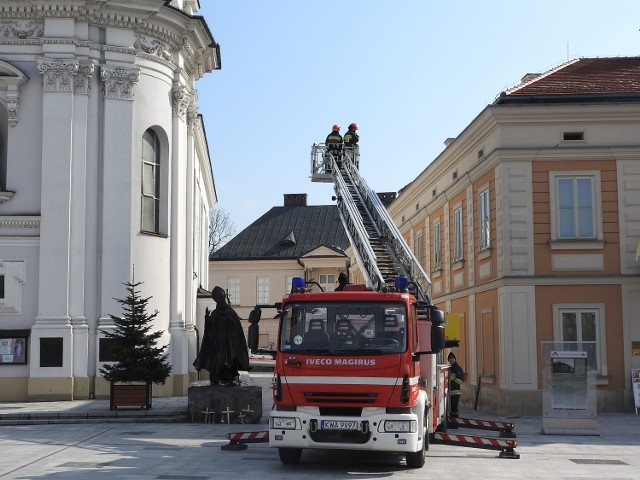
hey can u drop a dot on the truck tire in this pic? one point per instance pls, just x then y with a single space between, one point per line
290 456
416 459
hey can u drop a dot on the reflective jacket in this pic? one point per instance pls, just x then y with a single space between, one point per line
334 141
351 138
456 377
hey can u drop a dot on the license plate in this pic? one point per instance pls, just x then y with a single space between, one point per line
338 425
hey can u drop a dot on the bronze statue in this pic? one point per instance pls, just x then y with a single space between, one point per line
224 347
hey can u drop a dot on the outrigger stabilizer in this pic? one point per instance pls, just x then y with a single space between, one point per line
505 430
238 440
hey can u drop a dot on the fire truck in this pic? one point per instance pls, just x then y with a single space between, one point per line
357 369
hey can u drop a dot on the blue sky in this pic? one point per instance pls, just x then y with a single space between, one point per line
411 73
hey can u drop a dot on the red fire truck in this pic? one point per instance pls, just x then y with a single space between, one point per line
356 369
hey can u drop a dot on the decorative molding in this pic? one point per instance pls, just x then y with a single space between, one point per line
153 47
58 74
13 221
118 82
22 29
13 98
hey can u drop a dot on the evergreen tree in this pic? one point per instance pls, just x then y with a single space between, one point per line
137 358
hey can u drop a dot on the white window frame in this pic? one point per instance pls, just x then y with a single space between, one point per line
601 338
484 220
150 166
458 234
596 207
233 290
327 281
437 245
288 283
419 248
262 290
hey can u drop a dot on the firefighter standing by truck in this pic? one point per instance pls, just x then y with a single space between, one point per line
456 377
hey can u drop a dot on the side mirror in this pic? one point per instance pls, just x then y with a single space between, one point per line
254 328
437 329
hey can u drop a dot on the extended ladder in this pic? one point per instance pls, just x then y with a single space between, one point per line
379 247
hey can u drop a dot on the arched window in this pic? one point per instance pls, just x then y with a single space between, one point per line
150 218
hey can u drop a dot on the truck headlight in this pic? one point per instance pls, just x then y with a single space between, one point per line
283 423
400 426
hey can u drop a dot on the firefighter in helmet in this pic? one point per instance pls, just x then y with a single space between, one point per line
334 144
456 377
351 143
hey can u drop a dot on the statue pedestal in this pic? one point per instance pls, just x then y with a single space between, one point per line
224 404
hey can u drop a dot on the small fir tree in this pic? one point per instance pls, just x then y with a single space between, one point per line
137 358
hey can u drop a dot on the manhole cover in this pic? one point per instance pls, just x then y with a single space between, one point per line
83 465
597 461
182 477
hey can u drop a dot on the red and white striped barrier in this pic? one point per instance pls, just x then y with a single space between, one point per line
505 428
238 440
505 446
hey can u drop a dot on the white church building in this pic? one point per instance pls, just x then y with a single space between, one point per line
105 177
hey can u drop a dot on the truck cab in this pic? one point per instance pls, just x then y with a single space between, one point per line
356 369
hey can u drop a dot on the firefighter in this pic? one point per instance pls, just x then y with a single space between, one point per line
351 143
334 144
456 377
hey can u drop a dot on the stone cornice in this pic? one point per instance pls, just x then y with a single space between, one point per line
160 32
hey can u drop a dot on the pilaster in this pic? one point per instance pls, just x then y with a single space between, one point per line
117 204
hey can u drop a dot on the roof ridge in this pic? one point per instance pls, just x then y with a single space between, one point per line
522 85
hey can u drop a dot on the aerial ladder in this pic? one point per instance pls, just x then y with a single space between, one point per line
378 246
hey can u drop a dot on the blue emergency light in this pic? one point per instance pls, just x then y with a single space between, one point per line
401 284
297 284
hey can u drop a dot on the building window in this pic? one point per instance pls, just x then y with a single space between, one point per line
263 290
457 234
150 182
419 250
484 213
288 283
233 290
327 281
583 324
575 206
437 256
1 287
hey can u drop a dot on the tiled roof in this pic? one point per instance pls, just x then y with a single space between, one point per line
286 233
597 78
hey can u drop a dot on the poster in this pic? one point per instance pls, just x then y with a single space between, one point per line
13 350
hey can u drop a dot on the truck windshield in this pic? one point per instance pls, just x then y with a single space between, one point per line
340 328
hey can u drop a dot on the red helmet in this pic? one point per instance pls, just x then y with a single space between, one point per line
353 126
335 127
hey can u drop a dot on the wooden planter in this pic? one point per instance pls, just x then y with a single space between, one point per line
130 394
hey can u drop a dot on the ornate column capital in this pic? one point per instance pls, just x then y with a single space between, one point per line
118 82
13 98
192 119
85 72
181 99
58 74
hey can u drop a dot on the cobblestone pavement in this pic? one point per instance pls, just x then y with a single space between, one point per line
99 449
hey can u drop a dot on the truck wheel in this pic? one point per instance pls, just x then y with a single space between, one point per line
416 459
290 456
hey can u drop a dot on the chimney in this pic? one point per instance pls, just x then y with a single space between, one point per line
295 199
